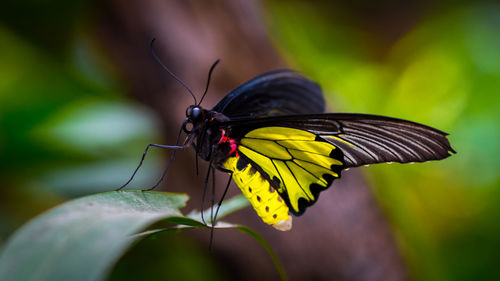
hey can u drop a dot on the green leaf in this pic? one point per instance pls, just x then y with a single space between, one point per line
232 205
83 238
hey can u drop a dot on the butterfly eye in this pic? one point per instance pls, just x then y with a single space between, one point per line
195 113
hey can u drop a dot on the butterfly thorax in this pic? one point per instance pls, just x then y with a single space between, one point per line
209 138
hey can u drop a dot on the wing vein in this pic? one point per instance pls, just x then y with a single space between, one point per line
399 141
309 171
297 181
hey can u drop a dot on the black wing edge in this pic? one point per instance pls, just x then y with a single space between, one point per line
363 138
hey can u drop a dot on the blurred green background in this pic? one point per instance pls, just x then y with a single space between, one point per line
68 128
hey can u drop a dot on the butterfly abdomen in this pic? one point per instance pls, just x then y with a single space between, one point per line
264 199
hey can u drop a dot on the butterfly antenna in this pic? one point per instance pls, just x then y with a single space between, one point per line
208 80
168 70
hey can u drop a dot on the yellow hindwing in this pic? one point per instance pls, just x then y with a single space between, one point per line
302 163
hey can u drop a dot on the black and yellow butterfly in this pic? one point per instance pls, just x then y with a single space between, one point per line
272 136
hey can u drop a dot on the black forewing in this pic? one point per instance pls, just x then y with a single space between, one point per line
363 138
281 92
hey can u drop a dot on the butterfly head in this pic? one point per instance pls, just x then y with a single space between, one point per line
195 114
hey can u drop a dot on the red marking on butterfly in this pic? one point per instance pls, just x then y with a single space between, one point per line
232 143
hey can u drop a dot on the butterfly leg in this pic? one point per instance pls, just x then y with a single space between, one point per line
172 156
212 199
223 194
205 186
211 168
218 207
169 147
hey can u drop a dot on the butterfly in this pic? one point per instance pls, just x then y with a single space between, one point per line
272 136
